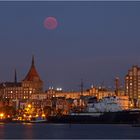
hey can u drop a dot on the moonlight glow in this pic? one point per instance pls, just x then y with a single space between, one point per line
50 23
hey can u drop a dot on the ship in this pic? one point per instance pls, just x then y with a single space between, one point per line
38 120
105 111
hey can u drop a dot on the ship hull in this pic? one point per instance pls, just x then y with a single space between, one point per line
122 117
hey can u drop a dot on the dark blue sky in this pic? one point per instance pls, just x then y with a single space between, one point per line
95 41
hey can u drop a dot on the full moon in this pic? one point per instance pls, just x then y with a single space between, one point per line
50 23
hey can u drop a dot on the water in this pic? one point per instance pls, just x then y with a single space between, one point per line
73 131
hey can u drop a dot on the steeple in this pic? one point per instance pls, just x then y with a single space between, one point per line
15 78
33 63
32 75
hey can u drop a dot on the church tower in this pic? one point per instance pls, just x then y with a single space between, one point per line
32 82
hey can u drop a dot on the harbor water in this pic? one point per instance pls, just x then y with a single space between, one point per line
68 131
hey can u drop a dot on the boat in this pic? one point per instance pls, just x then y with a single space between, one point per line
38 120
107 110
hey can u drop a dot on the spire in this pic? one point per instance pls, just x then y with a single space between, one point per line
33 63
15 80
32 75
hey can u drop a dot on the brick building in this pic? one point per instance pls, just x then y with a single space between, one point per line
132 86
23 90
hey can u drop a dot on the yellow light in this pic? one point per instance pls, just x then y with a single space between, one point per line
30 116
1 115
24 115
19 118
37 115
43 115
29 106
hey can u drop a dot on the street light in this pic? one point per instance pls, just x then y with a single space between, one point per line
29 106
1 115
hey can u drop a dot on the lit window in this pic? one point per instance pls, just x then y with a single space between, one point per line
130 84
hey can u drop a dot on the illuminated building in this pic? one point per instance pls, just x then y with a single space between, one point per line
92 92
132 86
22 90
123 101
30 89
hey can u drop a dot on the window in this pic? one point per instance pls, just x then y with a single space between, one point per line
130 84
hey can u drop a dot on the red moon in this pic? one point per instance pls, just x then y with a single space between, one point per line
50 23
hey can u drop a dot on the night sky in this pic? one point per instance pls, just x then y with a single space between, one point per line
94 41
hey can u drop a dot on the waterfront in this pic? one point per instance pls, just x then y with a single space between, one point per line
71 131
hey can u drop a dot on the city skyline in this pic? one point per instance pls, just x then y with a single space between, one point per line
94 41
81 82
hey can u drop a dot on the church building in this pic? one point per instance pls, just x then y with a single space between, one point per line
23 90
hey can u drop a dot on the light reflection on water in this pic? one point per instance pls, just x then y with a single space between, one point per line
2 130
28 124
36 131
28 130
2 123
